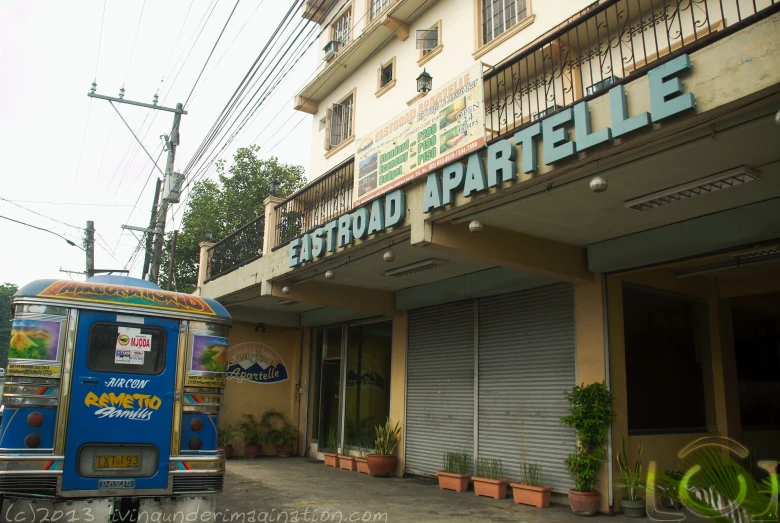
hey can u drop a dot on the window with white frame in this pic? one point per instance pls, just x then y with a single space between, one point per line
341 30
340 121
500 15
375 7
428 39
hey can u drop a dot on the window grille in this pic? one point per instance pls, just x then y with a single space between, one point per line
500 15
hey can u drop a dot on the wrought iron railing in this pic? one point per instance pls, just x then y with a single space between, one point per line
240 248
609 43
316 204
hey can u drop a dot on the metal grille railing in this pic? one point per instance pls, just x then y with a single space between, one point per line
240 248
610 42
316 204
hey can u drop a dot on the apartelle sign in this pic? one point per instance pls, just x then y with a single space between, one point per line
446 125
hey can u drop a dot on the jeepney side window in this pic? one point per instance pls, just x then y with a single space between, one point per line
212 329
126 349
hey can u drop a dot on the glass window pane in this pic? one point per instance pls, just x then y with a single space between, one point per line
330 386
103 354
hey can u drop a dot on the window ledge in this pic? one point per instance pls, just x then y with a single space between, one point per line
386 88
506 35
418 97
436 50
337 148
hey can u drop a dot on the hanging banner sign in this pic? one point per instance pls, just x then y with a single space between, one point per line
445 125
255 362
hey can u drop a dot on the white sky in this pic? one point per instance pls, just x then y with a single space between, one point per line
48 56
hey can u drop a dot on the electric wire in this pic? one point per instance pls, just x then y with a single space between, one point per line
135 39
100 38
42 229
42 215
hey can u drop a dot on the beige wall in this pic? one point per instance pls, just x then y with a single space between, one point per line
250 397
398 385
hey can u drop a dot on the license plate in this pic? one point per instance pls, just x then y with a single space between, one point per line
117 462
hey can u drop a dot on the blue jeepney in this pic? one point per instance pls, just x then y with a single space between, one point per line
111 400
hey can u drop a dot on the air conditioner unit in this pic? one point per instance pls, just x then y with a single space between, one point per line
544 113
599 86
330 50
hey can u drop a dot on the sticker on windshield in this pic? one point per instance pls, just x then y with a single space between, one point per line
131 338
129 356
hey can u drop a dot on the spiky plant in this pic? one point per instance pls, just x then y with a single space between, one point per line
632 476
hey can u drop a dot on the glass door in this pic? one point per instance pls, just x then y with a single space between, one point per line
329 416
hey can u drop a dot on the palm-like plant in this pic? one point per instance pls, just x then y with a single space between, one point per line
277 429
253 430
632 476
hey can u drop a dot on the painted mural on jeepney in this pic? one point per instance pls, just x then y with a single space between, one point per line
255 362
209 353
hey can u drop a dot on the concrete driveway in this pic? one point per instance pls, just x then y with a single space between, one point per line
300 489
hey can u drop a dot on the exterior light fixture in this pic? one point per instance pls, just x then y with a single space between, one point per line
274 187
599 184
414 268
424 82
389 256
476 226
286 289
209 234
329 275
777 116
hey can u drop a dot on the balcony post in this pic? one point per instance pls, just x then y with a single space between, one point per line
203 265
269 233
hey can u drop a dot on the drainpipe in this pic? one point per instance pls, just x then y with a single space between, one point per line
300 390
610 471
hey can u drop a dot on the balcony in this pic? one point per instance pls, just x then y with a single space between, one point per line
240 248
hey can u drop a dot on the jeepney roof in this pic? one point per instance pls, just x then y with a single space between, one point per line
123 292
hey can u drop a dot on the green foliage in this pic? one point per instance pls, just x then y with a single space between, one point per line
332 442
532 475
490 468
590 414
253 430
632 476
227 435
364 446
7 290
457 462
279 431
387 437
224 206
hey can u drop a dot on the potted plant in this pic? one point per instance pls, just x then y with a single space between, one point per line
667 486
361 461
254 433
489 480
632 506
531 490
590 414
225 438
382 463
455 475
331 449
280 432
347 460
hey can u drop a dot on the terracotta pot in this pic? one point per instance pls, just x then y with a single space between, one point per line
381 465
253 451
584 503
490 488
331 460
362 465
347 463
227 449
284 451
456 482
538 497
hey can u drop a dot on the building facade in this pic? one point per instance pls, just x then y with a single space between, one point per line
586 192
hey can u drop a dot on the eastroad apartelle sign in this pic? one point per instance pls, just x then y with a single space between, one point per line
446 125
666 99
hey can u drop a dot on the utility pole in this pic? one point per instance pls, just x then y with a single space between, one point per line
170 262
89 247
171 182
152 221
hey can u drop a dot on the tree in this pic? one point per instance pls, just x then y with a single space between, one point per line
223 206
7 290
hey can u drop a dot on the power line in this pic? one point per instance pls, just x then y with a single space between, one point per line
41 215
73 203
135 39
42 229
100 38
212 51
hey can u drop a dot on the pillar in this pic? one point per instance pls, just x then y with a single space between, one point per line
269 232
203 264
398 386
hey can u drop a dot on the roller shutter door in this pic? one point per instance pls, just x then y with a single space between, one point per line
440 384
526 351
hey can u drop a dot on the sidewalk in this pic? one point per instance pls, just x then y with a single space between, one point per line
308 491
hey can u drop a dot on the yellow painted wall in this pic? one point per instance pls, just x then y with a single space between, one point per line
250 397
398 385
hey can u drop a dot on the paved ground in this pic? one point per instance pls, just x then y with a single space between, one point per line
305 488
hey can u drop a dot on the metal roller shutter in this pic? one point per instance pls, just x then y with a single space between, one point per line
526 350
440 384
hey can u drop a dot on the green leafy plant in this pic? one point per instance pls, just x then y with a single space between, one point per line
332 442
364 446
632 476
532 475
490 468
253 430
590 413
387 437
227 435
278 430
457 462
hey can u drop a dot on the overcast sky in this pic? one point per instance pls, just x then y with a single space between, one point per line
69 157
